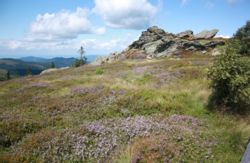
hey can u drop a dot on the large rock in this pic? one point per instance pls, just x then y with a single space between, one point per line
246 156
213 44
152 34
188 34
133 54
47 71
192 45
156 30
151 47
206 34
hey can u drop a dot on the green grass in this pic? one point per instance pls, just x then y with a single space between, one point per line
99 71
117 91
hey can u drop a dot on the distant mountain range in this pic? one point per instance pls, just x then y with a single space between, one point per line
17 67
58 61
34 65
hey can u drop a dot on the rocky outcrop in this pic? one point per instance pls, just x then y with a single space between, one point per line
127 54
155 43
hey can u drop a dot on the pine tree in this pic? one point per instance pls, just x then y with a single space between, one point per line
29 71
8 75
53 65
82 60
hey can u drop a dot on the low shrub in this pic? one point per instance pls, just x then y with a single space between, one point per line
14 130
230 75
99 71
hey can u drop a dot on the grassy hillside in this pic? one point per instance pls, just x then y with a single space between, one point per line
3 74
132 111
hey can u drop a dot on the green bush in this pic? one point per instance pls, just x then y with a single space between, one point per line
99 71
80 62
230 75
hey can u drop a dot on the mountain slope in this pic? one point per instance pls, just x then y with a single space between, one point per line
18 67
132 111
58 61
3 74
22 66
33 59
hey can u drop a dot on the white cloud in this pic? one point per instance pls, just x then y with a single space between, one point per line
11 44
62 25
110 45
90 44
60 30
131 14
35 45
55 31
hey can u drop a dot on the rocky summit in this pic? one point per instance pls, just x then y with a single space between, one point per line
155 43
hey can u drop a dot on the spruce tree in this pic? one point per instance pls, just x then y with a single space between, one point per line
53 65
8 75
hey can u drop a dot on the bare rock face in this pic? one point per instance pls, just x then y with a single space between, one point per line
151 35
133 54
213 44
155 43
206 34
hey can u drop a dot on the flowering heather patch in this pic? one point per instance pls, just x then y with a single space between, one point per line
168 76
111 96
121 116
178 119
97 140
84 90
141 70
106 96
82 99
146 69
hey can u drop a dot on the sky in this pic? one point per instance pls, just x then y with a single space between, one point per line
52 28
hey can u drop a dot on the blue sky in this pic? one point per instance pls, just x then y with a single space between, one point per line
50 28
